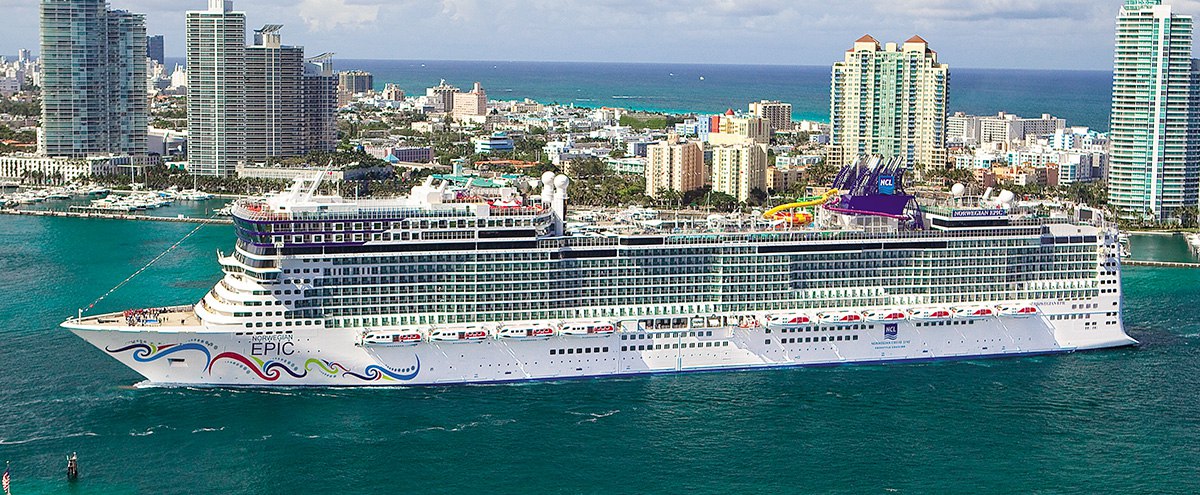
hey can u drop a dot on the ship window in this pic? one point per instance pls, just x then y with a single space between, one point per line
768 341
605 349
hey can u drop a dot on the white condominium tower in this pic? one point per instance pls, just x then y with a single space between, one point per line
253 103
889 101
94 79
1154 165
216 58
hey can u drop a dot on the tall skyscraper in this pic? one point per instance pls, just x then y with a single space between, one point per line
274 96
1155 162
154 49
94 79
216 71
889 101
251 103
320 103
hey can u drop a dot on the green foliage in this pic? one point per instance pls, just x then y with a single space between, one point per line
8 134
593 184
649 121
24 109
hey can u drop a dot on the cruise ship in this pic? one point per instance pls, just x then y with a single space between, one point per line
470 280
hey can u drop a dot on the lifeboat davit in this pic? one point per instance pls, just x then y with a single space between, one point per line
1018 310
535 331
840 317
789 320
749 322
588 329
392 338
931 314
885 315
459 334
974 312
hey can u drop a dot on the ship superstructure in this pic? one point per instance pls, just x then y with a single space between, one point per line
467 280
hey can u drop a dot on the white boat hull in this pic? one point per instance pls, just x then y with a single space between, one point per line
330 357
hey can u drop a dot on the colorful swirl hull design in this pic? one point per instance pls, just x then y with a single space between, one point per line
270 370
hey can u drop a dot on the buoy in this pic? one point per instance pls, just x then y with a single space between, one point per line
72 467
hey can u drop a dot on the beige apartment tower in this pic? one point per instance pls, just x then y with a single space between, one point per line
889 101
674 166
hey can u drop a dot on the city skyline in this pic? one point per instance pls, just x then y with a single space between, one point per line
1070 34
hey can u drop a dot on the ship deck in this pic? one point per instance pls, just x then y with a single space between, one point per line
154 318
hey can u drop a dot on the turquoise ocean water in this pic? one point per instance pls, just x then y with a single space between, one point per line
1121 421
1081 97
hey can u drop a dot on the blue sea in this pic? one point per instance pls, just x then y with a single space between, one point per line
1081 97
1118 421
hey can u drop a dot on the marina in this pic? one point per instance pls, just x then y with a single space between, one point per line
85 212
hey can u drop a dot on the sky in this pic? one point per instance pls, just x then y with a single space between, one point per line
1030 34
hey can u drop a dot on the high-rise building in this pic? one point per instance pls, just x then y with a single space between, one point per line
739 169
733 129
93 80
441 97
274 97
674 166
1155 161
154 49
889 101
216 72
778 113
354 82
473 104
320 103
250 103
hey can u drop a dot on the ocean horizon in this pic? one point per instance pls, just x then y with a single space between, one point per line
1083 97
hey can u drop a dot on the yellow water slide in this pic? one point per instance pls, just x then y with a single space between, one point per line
800 218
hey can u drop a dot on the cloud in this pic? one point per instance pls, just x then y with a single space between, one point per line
328 15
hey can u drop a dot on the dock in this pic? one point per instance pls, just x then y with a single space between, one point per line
1160 264
116 216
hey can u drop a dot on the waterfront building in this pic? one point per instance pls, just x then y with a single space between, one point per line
441 97
472 104
355 82
1004 128
674 165
154 49
216 75
1155 162
778 113
253 102
320 104
63 170
889 101
497 142
274 97
739 169
93 79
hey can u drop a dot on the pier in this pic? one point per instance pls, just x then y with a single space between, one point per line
1160 264
116 216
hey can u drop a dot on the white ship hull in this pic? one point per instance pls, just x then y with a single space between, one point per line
333 358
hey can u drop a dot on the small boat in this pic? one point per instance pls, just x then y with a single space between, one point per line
840 317
789 320
885 315
392 338
928 314
1017 310
533 331
974 312
588 329
459 334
